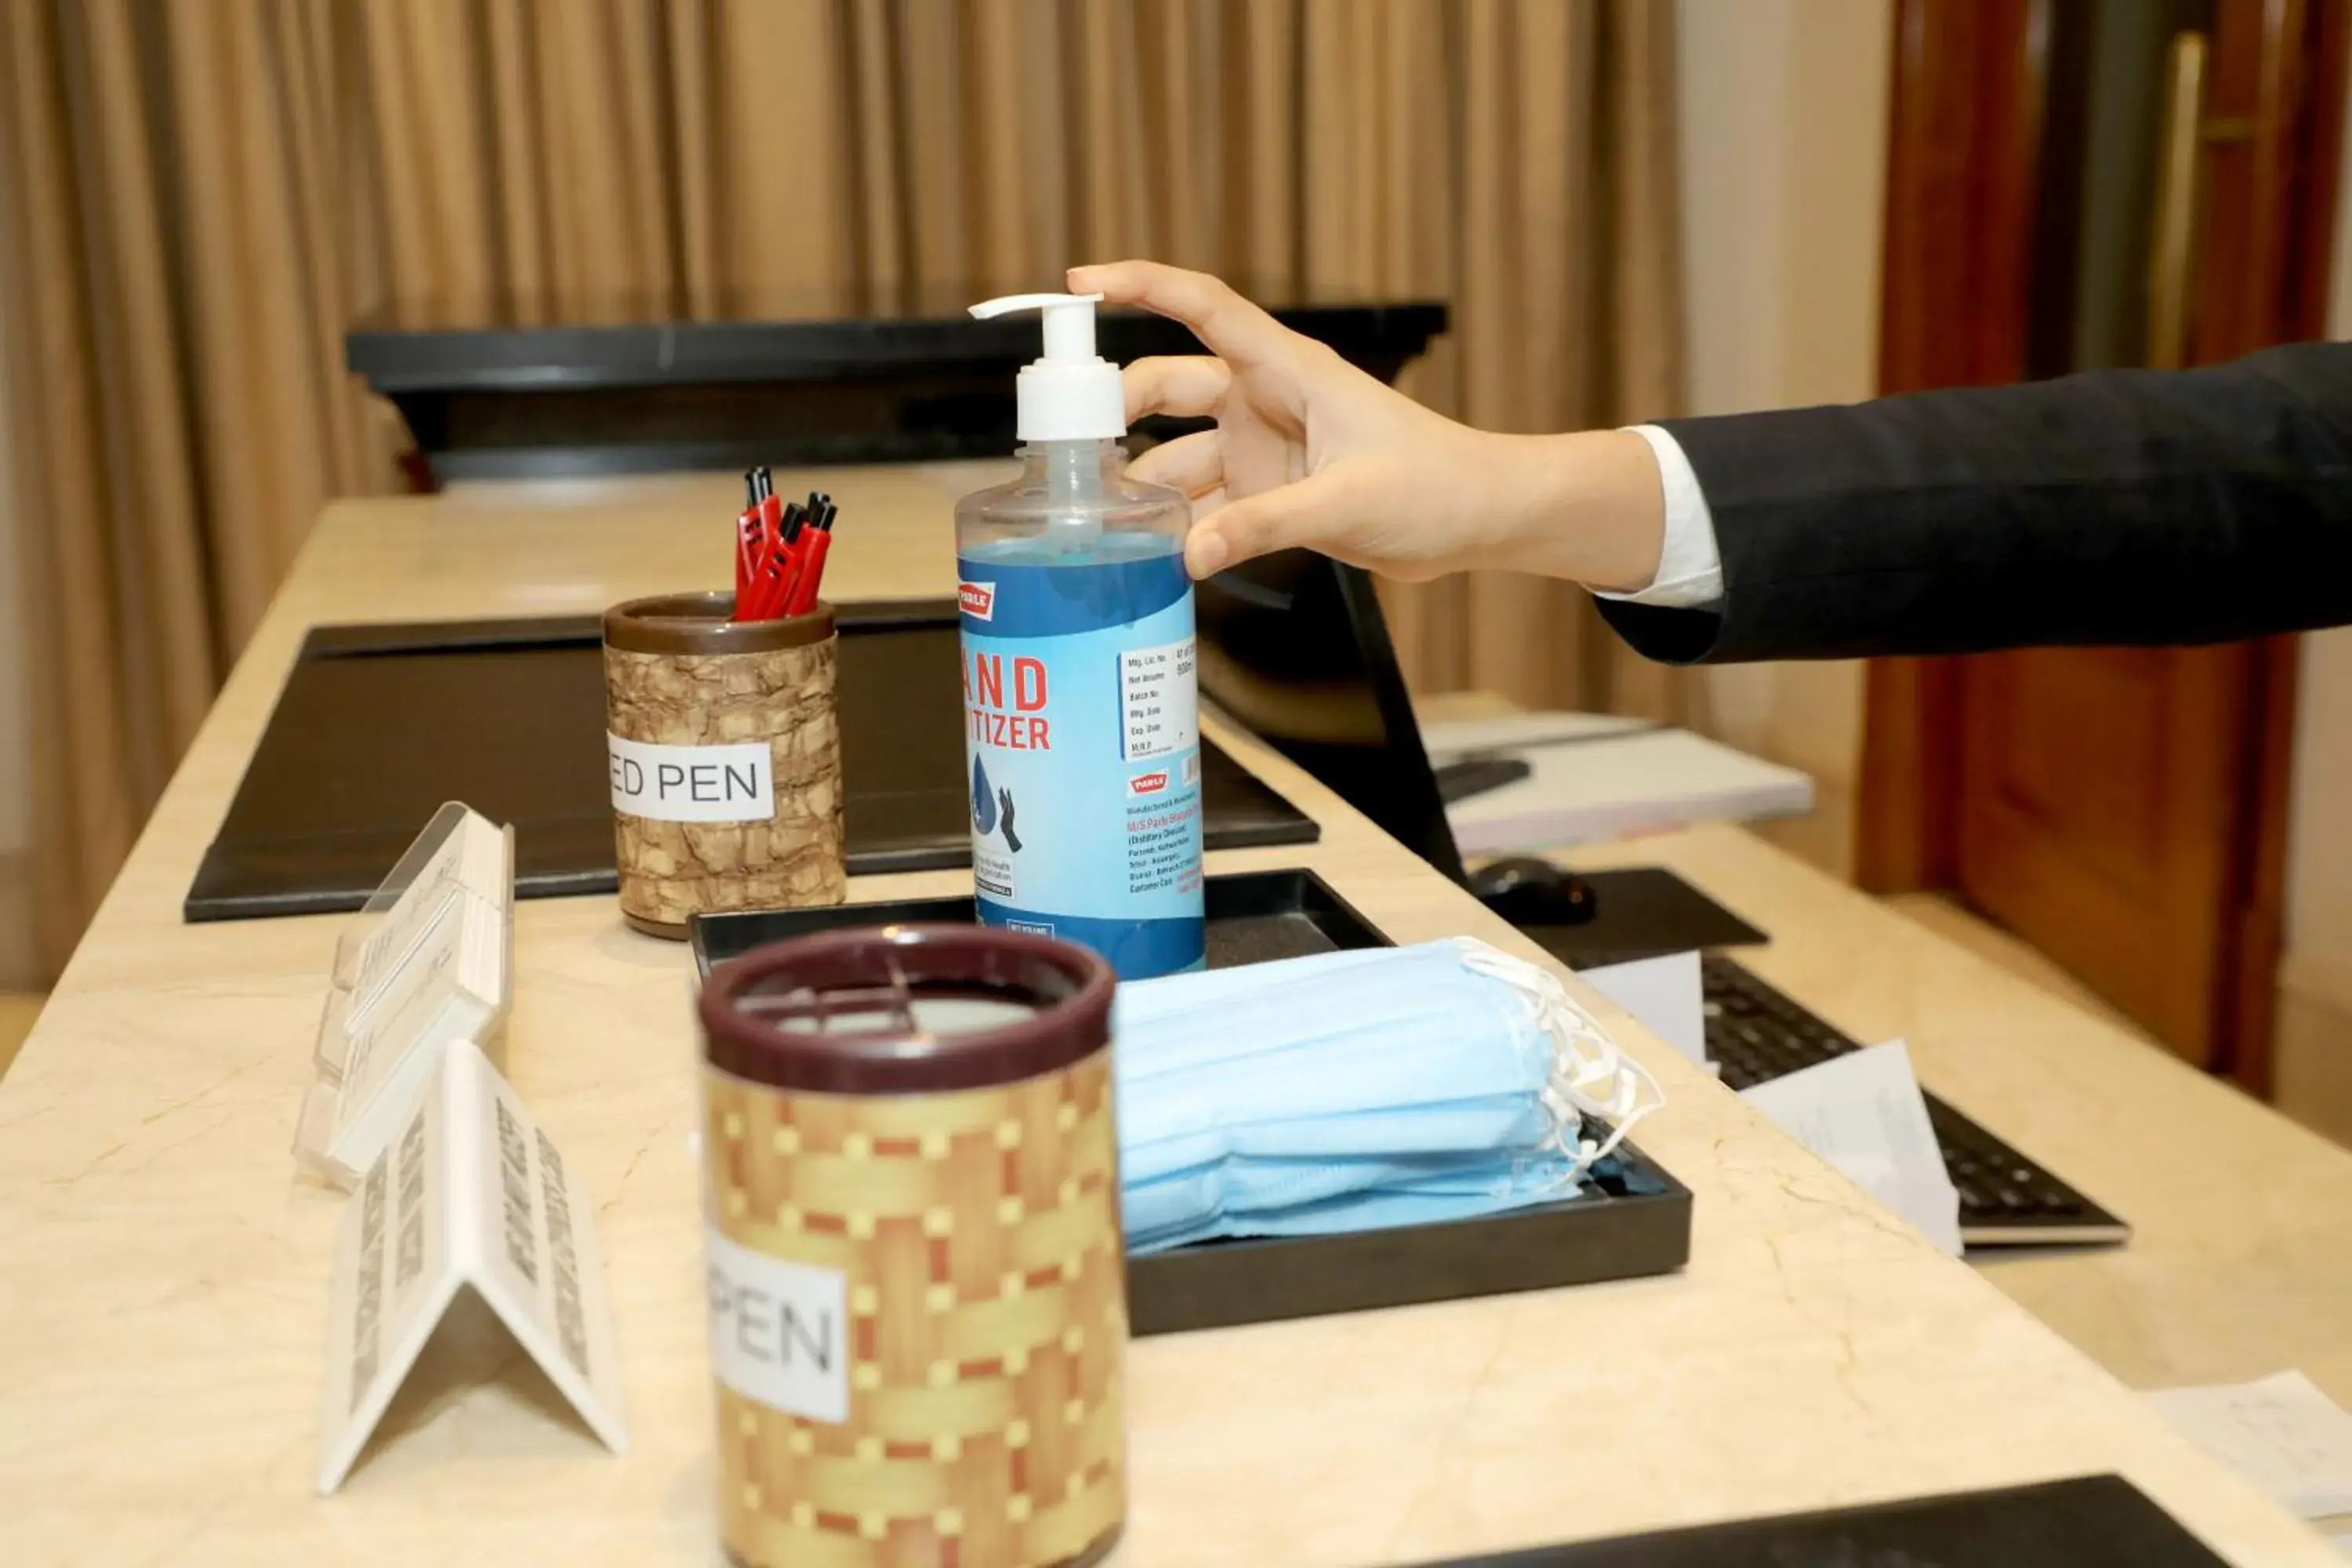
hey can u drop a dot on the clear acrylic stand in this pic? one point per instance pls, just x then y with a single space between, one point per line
427 959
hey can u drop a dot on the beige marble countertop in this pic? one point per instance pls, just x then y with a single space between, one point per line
163 1274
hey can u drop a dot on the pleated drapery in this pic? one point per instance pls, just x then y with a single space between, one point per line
196 200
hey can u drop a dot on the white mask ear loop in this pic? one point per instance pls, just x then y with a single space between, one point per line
1583 1057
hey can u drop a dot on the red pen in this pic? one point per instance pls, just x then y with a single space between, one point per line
772 517
817 503
747 543
812 577
760 489
773 588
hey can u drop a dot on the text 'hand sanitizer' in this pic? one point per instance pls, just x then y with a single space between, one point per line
1081 719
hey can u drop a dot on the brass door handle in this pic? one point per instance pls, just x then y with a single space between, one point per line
2172 250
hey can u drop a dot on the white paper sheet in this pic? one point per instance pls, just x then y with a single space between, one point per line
2282 1432
1863 1113
1452 739
1598 776
1664 994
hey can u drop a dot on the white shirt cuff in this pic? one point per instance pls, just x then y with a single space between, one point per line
1690 567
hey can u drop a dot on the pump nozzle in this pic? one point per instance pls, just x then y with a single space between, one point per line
1069 321
1070 394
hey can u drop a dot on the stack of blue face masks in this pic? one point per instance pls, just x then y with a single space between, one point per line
1357 1090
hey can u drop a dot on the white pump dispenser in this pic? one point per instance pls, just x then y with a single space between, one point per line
1071 394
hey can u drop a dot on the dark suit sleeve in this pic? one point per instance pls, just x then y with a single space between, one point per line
2115 507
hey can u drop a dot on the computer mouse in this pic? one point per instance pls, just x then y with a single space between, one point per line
1527 891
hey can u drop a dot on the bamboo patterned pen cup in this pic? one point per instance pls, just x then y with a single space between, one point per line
725 758
917 1277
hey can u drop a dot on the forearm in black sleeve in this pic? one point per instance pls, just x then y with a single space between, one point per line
2112 507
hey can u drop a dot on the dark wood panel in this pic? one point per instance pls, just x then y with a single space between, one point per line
2100 717
1963 165
2274 116
1906 804
2319 134
2102 792
2273 119
2251 155
2125 811
1961 188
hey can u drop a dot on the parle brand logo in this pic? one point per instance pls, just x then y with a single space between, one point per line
977 600
1147 783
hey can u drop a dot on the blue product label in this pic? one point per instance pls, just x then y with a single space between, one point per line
1081 728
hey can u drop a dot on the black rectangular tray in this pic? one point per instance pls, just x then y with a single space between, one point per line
2069 1524
1637 1223
1253 917
378 725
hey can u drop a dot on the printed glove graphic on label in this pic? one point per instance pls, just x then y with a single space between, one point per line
983 803
987 805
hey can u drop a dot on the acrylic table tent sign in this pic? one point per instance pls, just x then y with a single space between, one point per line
471 1192
426 961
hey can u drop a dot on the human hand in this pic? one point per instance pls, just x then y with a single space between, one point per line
1310 451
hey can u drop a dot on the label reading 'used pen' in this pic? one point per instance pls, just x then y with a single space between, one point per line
692 784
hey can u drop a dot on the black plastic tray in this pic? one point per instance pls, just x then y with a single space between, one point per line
1636 1224
1254 917
2047 1524
380 725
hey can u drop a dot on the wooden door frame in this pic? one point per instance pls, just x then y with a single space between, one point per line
1962 175
1970 90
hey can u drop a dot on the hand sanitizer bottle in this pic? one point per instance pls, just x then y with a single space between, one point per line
1081 722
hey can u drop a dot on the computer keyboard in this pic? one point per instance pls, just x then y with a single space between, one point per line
1754 1033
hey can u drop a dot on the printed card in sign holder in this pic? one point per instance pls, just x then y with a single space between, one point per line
460 850
428 961
472 1193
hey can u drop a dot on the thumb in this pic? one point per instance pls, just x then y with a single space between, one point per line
1306 512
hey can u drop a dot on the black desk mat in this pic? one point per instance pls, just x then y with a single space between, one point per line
2084 1522
378 725
1635 1222
1641 911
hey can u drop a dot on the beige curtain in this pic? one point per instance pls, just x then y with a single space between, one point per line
197 196
172 214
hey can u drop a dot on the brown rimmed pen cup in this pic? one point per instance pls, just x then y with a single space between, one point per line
917 1276
725 758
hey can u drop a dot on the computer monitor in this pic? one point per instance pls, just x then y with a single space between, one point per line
1294 647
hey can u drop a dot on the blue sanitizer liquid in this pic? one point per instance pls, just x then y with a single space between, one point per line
1081 726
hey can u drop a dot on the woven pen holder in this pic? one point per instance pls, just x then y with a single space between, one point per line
917 1285
725 757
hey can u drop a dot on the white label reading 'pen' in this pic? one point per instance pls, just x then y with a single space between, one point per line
779 1331
692 784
